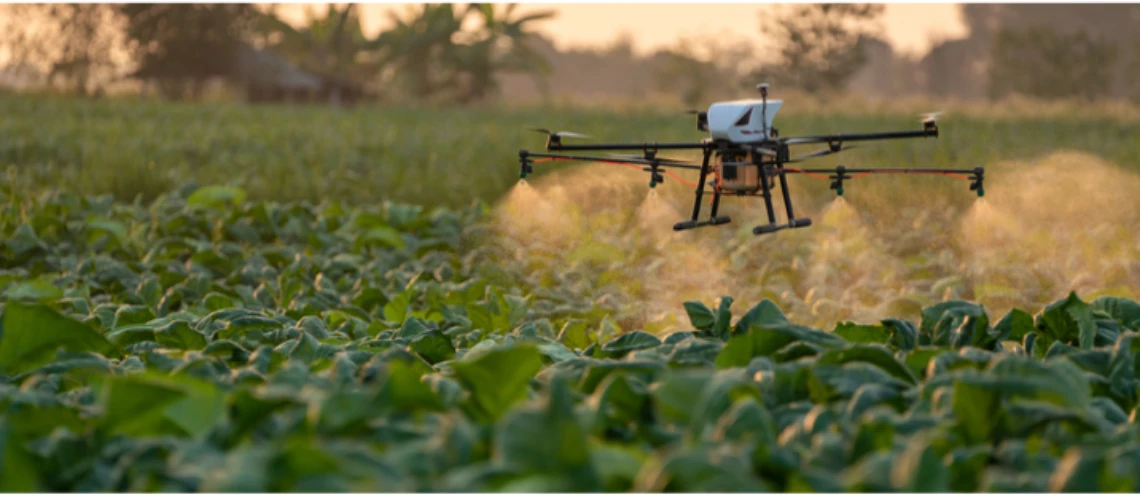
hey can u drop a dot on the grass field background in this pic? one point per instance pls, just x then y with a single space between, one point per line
452 156
1057 216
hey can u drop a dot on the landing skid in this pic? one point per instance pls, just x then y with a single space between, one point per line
767 175
692 224
771 228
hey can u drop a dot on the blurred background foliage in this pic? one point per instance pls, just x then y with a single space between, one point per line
478 53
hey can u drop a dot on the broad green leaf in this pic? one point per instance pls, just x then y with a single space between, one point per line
862 334
629 342
217 196
921 469
31 335
396 310
700 316
179 335
433 346
622 399
1015 324
766 340
99 225
548 440
1080 471
1124 311
723 321
874 354
675 399
18 472
918 360
738 351
498 378
135 405
765 312
976 409
574 335
381 235
200 410
903 333
40 290
1069 321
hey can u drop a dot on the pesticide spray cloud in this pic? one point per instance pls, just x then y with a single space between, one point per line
1062 223
603 224
1045 227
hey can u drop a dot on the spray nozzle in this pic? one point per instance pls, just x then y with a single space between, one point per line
978 180
655 179
524 163
837 179
655 176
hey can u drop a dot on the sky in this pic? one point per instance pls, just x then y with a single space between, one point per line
910 28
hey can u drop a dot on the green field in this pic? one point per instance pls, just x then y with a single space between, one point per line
227 298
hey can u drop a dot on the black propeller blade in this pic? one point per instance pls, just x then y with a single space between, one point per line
931 117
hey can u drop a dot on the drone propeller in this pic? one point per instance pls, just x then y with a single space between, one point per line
560 134
930 117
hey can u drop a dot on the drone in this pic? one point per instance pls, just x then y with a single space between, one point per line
746 156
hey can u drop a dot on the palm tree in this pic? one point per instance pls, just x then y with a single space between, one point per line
333 46
415 47
499 46
433 54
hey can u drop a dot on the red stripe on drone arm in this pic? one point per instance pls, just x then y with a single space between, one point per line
949 174
630 165
809 174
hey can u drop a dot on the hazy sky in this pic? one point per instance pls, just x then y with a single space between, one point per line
910 27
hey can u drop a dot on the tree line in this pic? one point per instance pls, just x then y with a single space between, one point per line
432 51
459 53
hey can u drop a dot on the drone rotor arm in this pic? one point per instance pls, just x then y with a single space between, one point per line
661 162
656 168
875 136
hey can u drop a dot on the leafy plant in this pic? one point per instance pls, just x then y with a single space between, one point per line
211 343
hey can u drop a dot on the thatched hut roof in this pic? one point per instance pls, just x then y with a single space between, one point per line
265 68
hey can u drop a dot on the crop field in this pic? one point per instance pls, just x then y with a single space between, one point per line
231 298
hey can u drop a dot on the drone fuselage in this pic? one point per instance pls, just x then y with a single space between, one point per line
743 121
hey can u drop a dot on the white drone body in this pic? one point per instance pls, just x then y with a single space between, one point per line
742 121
